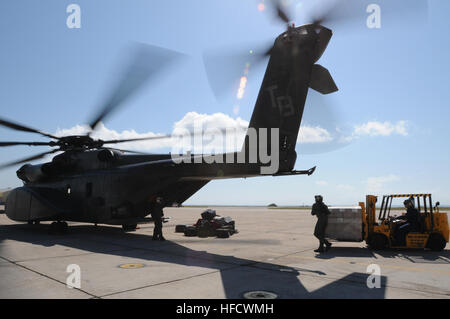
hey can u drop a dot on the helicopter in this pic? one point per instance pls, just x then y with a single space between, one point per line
91 181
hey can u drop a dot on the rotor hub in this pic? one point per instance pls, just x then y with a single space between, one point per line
78 142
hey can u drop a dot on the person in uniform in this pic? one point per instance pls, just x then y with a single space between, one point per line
411 222
157 215
321 211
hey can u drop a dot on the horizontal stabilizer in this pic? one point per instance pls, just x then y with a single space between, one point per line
321 80
308 172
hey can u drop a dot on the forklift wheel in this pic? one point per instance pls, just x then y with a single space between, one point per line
436 242
378 242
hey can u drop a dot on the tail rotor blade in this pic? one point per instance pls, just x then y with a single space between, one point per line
323 128
225 68
282 13
337 13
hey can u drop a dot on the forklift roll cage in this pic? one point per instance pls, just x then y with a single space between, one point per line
386 205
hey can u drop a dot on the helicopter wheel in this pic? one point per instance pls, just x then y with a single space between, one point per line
129 227
58 227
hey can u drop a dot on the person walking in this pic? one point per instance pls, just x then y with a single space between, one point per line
321 210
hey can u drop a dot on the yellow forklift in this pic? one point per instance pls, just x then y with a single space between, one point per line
378 233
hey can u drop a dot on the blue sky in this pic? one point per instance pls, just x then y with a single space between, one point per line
396 77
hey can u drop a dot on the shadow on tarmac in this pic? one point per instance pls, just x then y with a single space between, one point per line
412 255
238 275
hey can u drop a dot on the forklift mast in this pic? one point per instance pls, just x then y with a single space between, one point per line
371 201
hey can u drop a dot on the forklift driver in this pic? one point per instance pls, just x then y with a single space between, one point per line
410 222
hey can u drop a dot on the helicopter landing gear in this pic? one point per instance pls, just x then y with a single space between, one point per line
33 222
127 228
58 228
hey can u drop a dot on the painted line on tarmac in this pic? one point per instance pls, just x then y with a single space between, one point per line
168 282
46 276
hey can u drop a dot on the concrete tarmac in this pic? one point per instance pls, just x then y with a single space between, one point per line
272 252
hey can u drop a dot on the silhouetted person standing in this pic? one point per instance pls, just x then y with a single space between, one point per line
321 211
157 215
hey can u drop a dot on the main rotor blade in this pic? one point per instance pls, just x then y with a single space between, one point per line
138 139
160 137
3 144
28 159
147 62
127 151
19 127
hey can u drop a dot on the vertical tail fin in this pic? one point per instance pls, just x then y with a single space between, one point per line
280 104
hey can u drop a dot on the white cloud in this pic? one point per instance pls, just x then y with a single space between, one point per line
310 134
374 128
104 133
214 141
377 184
322 183
194 120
